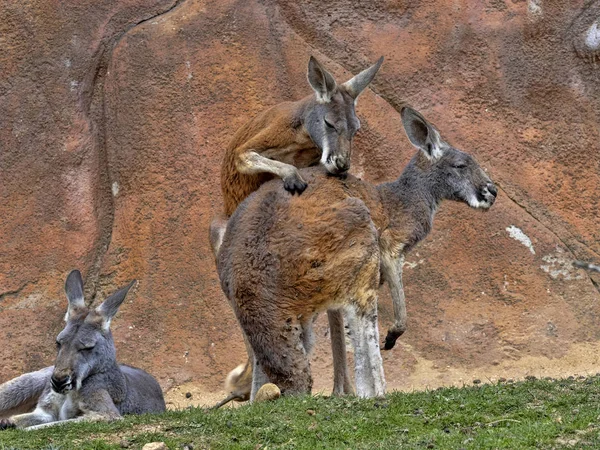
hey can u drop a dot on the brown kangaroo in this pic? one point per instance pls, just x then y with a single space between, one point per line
283 259
317 128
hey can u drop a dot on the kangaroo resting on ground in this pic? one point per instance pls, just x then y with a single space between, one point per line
86 381
290 135
283 259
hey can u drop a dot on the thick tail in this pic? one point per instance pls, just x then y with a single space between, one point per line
239 384
21 394
586 266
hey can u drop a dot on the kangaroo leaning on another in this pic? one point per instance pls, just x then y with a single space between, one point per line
86 381
283 259
278 141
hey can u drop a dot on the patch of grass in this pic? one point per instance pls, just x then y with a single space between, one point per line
531 414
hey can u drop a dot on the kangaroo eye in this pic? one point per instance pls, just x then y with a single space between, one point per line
329 125
459 166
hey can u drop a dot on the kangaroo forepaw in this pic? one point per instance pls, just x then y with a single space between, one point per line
294 184
5 424
391 338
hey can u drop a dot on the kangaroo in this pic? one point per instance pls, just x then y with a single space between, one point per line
282 259
319 127
86 382
288 136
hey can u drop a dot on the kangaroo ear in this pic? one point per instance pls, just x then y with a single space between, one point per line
355 85
110 306
321 81
74 291
422 134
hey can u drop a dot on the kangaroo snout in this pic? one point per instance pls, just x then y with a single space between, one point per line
339 165
61 383
488 195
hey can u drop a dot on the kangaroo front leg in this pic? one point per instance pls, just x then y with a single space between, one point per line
341 378
46 411
89 417
251 162
391 269
36 417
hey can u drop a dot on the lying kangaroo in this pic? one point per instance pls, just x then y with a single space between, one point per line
86 382
290 135
283 259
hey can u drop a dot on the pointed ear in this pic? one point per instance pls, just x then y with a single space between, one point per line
74 291
421 133
110 306
321 81
355 85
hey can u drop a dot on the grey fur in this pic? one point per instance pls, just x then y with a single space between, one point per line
437 172
21 394
86 382
331 121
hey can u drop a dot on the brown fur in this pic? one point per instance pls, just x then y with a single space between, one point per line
330 232
283 259
279 132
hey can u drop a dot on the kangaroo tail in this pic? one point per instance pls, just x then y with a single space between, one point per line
21 394
586 266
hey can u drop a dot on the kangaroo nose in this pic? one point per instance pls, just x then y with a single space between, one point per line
492 189
342 164
60 383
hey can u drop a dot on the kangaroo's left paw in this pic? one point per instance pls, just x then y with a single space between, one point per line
5 424
391 338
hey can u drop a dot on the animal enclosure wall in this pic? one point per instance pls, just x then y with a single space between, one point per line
114 117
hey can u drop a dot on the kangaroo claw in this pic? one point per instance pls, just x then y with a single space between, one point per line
391 338
5 424
294 184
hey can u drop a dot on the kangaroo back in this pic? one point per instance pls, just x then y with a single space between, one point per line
21 394
144 394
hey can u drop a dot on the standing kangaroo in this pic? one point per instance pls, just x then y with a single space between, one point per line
288 136
86 381
283 259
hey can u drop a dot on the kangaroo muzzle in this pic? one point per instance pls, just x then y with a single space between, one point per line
488 194
61 383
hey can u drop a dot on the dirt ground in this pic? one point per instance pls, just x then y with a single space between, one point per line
582 359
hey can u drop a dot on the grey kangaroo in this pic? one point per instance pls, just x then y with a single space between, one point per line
283 259
86 381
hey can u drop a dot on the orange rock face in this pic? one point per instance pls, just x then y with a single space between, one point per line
114 117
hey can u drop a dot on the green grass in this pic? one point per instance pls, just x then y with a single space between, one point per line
532 414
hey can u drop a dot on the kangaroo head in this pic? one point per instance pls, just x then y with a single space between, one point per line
332 122
85 346
455 174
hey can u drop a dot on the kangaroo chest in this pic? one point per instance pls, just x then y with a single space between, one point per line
70 406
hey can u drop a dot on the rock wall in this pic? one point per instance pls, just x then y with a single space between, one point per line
114 117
